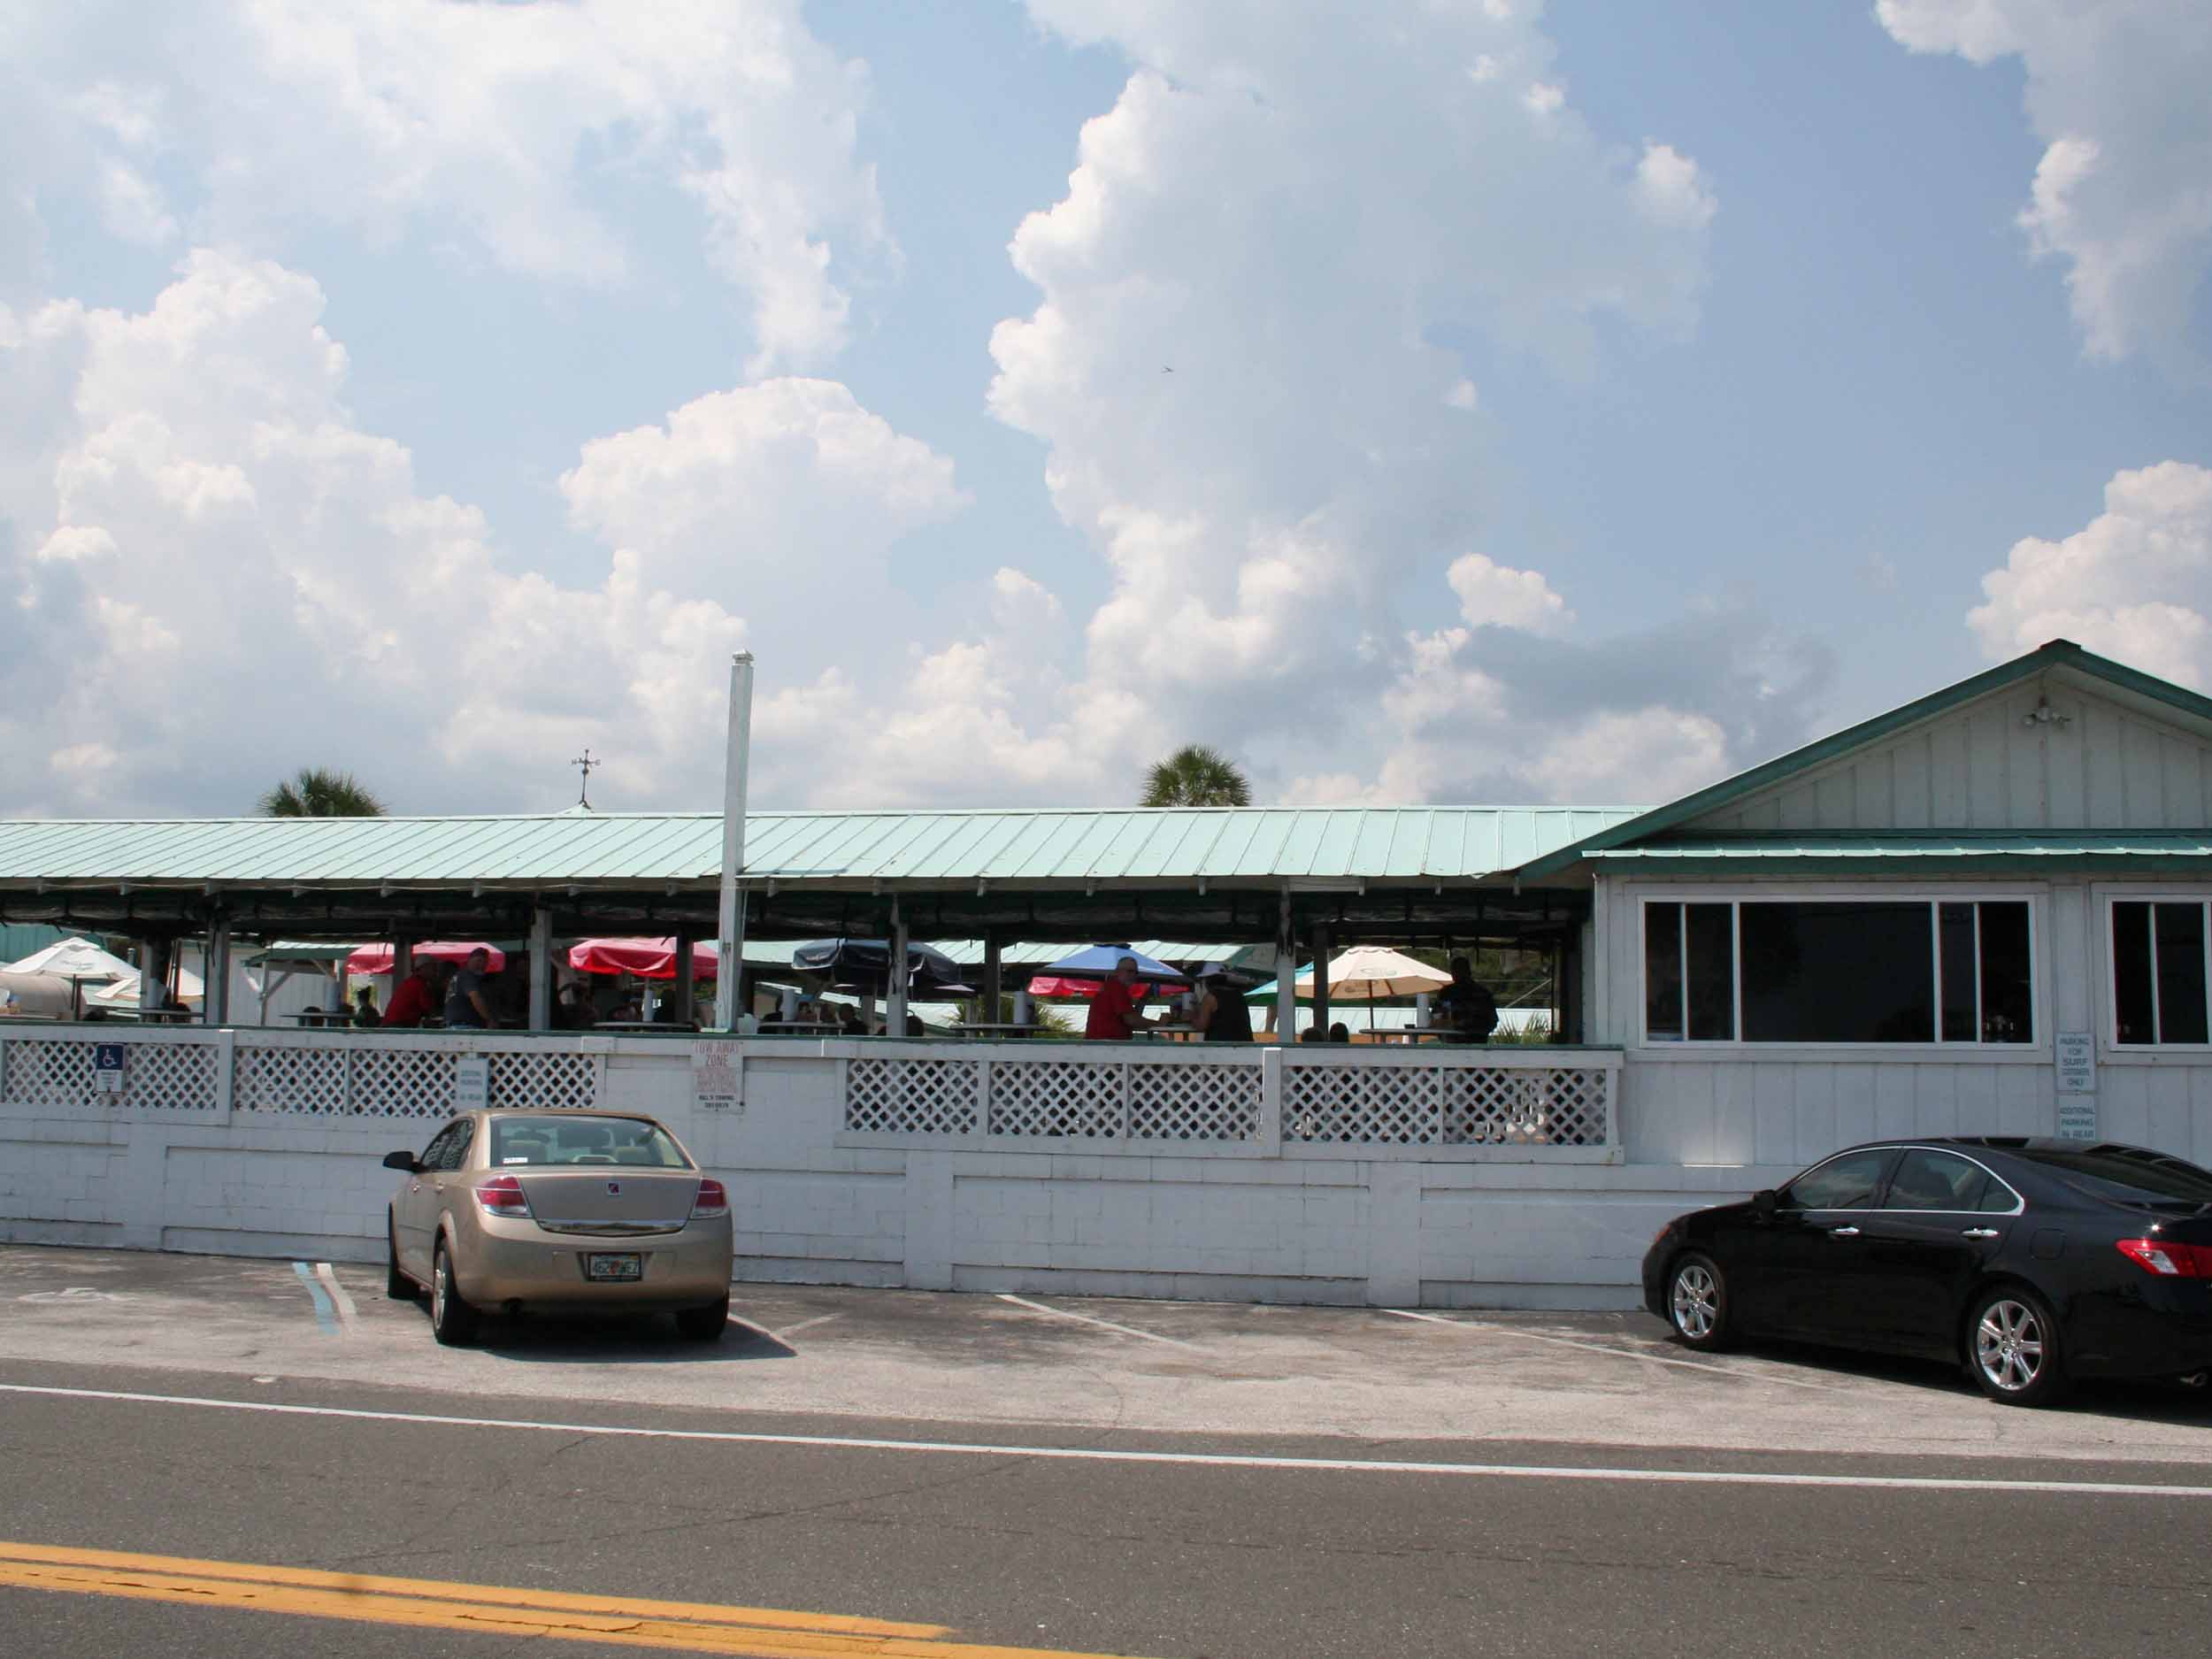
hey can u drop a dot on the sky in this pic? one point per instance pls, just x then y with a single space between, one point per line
1451 401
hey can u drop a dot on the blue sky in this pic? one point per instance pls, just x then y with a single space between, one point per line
1572 403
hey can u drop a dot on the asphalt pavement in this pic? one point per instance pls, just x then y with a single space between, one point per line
1040 1475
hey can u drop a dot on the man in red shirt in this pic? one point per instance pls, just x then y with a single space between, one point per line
413 999
1114 1009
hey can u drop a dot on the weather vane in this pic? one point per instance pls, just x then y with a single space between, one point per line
584 763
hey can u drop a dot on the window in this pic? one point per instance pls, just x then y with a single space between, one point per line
1843 1183
443 1145
1856 970
2158 971
577 1140
1928 1180
2131 1174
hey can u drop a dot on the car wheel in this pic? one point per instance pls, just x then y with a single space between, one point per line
397 1285
452 1321
2013 1348
703 1325
1697 1302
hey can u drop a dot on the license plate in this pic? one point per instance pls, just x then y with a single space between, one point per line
614 1267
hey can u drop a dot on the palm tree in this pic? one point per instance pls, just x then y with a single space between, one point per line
1194 775
319 793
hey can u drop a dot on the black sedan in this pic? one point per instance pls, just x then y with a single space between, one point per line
2032 1261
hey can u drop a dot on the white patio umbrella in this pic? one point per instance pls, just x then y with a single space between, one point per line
124 993
72 959
1372 974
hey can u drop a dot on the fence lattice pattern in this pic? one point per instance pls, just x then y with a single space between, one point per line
1076 1100
1562 1108
1193 1102
1392 1105
928 1097
58 1072
1423 1105
290 1080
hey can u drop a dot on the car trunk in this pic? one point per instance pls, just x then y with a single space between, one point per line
610 1200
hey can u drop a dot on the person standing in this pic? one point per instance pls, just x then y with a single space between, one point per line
414 999
364 1008
1114 1015
1222 1015
1467 1006
467 1002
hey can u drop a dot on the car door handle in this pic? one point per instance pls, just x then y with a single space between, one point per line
1843 1233
1979 1232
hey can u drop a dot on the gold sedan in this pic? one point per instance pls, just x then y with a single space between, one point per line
564 1211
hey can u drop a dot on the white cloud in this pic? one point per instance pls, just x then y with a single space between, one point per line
1494 595
220 576
2117 91
2135 583
500 125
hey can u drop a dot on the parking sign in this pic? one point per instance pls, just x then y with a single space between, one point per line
107 1067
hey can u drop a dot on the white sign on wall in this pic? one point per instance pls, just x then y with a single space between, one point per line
2076 1052
2077 1118
107 1068
718 1077
471 1083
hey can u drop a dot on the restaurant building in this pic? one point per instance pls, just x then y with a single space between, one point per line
1982 912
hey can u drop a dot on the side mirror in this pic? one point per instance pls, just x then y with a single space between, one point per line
401 1161
1765 1202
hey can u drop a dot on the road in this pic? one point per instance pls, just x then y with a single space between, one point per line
551 1482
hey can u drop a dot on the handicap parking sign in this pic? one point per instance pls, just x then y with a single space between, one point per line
107 1067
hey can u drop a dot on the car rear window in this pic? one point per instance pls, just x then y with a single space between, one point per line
2131 1174
575 1139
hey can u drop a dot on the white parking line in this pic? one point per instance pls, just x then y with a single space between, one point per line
1202 1460
1103 1324
790 1331
339 1299
1618 1352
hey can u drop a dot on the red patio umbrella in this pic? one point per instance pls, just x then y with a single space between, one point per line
647 958
378 958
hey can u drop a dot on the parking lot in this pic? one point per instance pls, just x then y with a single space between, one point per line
1070 1364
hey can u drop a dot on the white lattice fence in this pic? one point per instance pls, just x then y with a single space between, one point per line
379 1079
1078 1100
171 1076
900 1097
1383 1105
1562 1106
1193 1102
545 1081
289 1080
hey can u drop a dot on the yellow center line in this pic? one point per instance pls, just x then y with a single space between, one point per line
682 1627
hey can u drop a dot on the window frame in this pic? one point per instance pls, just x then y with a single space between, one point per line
1881 1185
2037 1048
2108 1044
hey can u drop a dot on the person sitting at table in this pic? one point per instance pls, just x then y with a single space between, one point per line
364 1008
468 999
1466 1007
415 998
1340 1033
1114 1016
1222 1015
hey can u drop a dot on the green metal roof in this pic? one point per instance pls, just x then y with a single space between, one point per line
1259 845
2056 654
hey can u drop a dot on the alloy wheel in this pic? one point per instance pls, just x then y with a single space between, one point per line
2008 1345
1696 1301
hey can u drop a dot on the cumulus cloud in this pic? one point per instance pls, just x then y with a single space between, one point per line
220 575
2135 583
501 126
2122 194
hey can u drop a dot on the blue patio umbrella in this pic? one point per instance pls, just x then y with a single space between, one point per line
1082 973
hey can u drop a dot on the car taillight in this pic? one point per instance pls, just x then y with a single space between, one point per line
2168 1259
503 1195
712 1200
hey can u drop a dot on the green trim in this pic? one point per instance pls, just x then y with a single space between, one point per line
2056 654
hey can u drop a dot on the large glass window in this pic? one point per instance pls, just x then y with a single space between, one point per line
1857 971
2158 971
1929 1180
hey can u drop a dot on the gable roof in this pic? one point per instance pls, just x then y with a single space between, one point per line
2058 654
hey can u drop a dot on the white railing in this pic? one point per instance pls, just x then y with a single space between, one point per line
1259 1099
318 1074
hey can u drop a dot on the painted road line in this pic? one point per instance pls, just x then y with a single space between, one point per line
1196 1460
785 1335
325 1309
339 1300
682 1627
1618 1352
1103 1324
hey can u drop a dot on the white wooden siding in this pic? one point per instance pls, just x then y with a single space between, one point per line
1982 766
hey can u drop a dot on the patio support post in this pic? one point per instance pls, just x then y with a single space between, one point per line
686 981
993 979
153 971
730 932
215 983
402 960
1321 977
894 1007
540 970
1285 976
